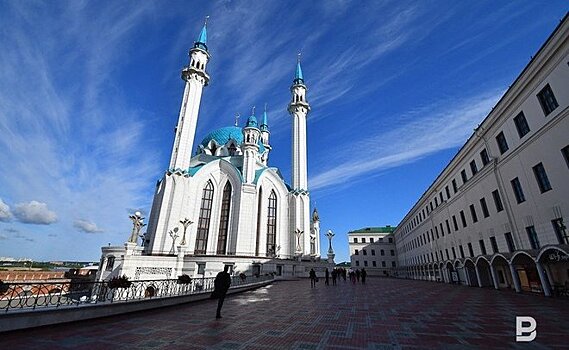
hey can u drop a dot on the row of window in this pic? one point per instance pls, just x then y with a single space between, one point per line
548 103
382 252
558 226
380 239
374 263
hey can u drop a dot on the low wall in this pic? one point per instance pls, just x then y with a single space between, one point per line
22 319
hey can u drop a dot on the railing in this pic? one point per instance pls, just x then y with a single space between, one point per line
35 295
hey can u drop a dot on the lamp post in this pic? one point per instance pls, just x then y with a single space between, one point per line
137 224
186 222
331 254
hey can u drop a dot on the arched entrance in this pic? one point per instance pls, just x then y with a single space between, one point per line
437 273
470 269
484 273
452 275
554 262
525 268
461 273
503 275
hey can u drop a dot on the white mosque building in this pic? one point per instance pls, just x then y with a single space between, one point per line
222 203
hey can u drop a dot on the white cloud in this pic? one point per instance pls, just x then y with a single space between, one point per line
431 129
34 213
86 226
3 236
5 213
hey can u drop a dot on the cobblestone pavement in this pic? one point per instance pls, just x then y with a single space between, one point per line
383 314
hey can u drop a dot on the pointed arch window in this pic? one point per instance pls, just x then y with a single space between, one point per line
205 216
224 220
272 224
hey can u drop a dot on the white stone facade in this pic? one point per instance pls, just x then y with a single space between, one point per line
497 212
242 212
373 248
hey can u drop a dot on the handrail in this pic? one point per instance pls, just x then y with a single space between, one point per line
51 294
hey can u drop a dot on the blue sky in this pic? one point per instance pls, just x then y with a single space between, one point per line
90 93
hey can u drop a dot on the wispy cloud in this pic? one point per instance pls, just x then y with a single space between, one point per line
437 127
86 226
5 213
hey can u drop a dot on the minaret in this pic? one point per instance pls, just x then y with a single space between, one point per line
196 78
298 109
299 200
250 147
265 133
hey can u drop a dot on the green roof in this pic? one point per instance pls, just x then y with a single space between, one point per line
381 229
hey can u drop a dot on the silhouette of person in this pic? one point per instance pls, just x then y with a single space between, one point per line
358 275
364 275
334 276
327 277
221 285
312 276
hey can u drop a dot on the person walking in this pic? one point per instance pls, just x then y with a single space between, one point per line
312 276
327 277
364 275
220 286
334 276
358 275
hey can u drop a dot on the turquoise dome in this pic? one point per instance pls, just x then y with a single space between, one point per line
223 135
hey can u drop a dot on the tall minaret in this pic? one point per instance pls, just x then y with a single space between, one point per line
265 133
196 78
300 200
251 135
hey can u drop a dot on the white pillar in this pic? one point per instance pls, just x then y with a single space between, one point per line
494 277
543 279
478 276
515 278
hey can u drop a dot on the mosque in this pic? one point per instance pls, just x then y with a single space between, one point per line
222 203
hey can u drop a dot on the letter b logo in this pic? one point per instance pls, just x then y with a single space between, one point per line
525 325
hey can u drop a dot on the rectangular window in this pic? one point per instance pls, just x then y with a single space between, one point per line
393 264
453 253
463 218
547 100
473 213
357 252
560 231
382 252
463 176
448 192
374 263
470 251
494 244
355 240
383 264
371 240
442 231
373 252
392 252
521 124
363 240
485 211
497 201
473 167
437 231
436 202
502 143
455 223
518 191
565 152
365 263
541 177
484 157
441 197
364 251
431 205
510 242
357 263
448 226
482 247
454 188
110 263
448 256
532 235
461 251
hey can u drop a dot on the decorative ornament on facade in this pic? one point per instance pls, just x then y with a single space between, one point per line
186 222
137 224
298 234
174 234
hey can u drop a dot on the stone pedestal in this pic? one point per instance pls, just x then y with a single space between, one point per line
331 258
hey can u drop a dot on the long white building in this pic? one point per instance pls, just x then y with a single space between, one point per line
496 215
373 249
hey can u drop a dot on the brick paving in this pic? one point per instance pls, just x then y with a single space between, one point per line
383 314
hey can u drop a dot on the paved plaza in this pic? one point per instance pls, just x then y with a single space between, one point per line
383 314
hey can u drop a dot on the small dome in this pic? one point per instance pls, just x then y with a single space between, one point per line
222 135
252 122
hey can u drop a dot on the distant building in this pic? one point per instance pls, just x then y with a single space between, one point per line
496 215
373 248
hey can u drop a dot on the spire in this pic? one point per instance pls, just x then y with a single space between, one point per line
252 120
264 124
298 77
202 39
